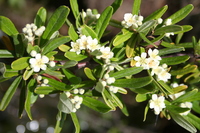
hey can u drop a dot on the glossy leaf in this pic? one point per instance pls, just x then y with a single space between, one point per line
103 21
126 72
157 14
55 43
74 56
121 38
141 97
136 7
117 101
176 109
116 4
95 105
69 64
74 7
22 99
175 60
147 26
76 122
181 14
88 31
20 63
6 54
72 33
10 93
7 26
89 73
20 43
40 17
55 23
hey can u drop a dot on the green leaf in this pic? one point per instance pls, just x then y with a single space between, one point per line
96 105
168 29
45 90
65 105
117 101
194 120
121 38
20 63
75 8
132 83
89 73
130 45
88 31
70 63
31 97
146 40
99 87
53 44
72 33
141 97
40 17
126 72
6 54
64 48
175 60
145 112
116 4
157 14
8 72
56 74
181 14
171 50
176 109
103 21
9 93
20 43
27 74
7 26
136 7
185 28
147 26
55 23
195 106
74 56
185 70
60 121
183 123
76 122
22 99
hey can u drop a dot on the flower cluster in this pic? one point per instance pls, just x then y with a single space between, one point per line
157 103
90 45
153 63
131 20
90 14
75 99
31 30
39 61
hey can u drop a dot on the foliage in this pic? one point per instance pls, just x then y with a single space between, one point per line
144 57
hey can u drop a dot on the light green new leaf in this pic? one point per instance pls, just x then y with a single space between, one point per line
20 63
65 105
121 38
193 119
145 112
136 7
96 105
30 97
116 4
74 56
157 14
7 26
170 50
130 45
72 33
88 31
40 17
53 44
175 60
103 22
126 72
133 83
89 73
141 97
7 71
27 74
99 87
9 93
168 29
181 14
146 26
183 123
55 23
6 54
76 122
116 100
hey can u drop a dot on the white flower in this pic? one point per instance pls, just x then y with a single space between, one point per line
39 62
75 91
131 20
68 94
157 103
141 61
186 105
81 91
52 63
169 34
152 63
110 80
153 54
45 81
106 53
174 96
39 31
83 41
106 76
164 76
75 47
39 78
33 53
92 44
168 22
160 20
111 68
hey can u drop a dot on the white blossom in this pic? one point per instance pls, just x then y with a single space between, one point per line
106 53
75 47
81 91
141 61
39 62
75 91
160 20
52 64
153 54
131 20
110 80
33 53
157 103
168 22
92 44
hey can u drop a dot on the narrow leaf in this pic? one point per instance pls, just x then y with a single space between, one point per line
72 33
88 31
40 17
6 54
147 26
175 60
89 73
171 50
168 29
76 122
121 38
116 4
136 7
74 56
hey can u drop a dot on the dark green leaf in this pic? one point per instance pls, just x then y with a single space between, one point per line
55 23
103 21
22 99
45 90
9 93
176 109
185 70
194 120
69 64
116 4
20 43
168 29
147 26
53 44
88 31
6 54
171 50
40 17
74 7
95 105
7 26
175 60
